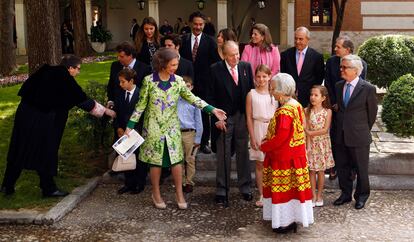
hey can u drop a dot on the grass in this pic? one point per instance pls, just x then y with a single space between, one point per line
76 162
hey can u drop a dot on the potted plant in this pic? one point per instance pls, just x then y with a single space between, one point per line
99 36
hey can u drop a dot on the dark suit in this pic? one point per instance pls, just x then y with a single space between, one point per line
312 72
134 31
124 110
185 68
353 137
206 55
113 83
224 94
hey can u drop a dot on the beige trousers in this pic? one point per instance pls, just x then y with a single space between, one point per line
189 157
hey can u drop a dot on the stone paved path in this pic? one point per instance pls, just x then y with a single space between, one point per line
105 216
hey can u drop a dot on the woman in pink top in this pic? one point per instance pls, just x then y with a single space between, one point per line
260 50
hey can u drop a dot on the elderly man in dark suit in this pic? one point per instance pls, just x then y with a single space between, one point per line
357 110
185 67
201 49
304 64
343 47
231 80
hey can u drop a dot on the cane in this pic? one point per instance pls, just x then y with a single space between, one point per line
226 200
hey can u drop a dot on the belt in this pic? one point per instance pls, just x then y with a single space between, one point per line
188 130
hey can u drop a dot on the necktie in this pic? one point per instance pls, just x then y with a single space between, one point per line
127 97
234 75
347 94
300 62
195 47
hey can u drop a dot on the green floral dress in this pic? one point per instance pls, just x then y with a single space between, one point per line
161 124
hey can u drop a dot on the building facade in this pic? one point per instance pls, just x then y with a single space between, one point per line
362 18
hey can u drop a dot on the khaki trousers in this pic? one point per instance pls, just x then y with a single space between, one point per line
189 157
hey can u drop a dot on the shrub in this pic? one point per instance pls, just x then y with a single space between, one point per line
94 133
388 57
100 34
398 107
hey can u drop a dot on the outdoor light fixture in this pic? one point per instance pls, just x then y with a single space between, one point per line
141 4
261 4
200 4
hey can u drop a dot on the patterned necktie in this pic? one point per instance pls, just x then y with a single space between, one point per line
234 75
347 94
195 47
127 97
300 62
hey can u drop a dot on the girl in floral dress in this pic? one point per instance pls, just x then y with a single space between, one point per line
319 151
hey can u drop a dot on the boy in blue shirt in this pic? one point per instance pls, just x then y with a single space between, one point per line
191 131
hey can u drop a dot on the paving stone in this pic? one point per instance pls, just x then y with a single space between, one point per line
394 147
388 137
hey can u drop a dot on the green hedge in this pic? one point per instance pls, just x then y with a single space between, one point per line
388 57
398 107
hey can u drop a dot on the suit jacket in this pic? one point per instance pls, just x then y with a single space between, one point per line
123 108
220 91
333 75
185 68
354 122
206 55
134 31
312 73
113 83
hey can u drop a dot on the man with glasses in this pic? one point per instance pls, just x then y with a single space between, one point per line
357 110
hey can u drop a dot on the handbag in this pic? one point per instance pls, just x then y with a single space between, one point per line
124 165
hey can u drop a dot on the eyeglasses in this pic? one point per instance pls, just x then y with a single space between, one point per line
346 67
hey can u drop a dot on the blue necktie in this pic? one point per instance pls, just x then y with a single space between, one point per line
347 94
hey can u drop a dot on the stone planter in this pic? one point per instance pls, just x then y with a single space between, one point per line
98 46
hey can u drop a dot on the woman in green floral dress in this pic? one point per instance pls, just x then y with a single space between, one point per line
163 146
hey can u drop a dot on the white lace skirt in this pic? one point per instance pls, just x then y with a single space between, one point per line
283 214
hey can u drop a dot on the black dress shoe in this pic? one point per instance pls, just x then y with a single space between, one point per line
359 205
284 230
220 199
56 193
188 188
7 190
342 200
205 149
247 196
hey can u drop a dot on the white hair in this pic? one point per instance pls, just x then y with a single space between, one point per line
355 62
303 29
285 84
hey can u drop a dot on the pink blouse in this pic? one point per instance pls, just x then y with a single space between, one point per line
255 57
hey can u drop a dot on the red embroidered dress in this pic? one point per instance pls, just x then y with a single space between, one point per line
286 186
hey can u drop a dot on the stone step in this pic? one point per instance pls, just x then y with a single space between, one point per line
380 163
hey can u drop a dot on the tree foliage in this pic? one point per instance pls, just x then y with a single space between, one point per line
398 107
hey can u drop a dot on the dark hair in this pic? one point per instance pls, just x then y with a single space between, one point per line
228 34
128 73
263 68
175 38
188 79
263 30
180 19
196 14
128 48
70 61
162 57
326 103
140 37
347 43
134 19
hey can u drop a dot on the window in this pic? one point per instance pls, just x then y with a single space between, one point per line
321 12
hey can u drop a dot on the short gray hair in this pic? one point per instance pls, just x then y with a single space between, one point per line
303 29
355 62
285 84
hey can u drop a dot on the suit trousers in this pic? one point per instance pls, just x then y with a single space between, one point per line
348 158
46 181
237 133
205 117
136 178
189 156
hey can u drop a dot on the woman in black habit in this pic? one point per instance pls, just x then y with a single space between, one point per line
46 98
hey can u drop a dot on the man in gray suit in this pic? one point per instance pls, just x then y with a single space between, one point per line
357 110
231 80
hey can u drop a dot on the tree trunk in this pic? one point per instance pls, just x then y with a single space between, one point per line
338 25
7 48
82 46
43 33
